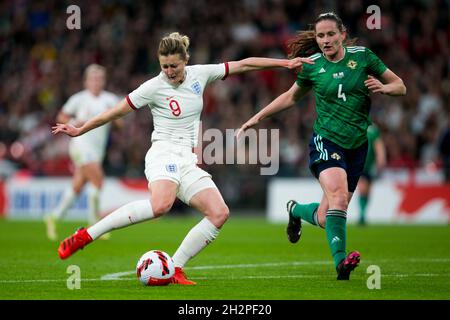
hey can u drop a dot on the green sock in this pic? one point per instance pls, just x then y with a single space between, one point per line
362 208
335 227
306 212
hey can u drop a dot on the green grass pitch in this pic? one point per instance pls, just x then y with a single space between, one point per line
250 260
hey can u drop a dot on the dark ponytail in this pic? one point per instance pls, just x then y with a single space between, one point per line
303 45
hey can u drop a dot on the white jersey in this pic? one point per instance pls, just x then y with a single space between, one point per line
83 106
176 109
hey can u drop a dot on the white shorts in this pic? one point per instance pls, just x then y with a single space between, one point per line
167 161
85 155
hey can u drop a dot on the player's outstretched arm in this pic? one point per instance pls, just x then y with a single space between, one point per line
282 102
120 110
254 63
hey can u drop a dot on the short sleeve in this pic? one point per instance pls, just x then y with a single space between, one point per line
143 95
374 64
377 133
70 107
303 79
373 132
213 72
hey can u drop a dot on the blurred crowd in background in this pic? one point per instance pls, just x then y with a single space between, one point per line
42 63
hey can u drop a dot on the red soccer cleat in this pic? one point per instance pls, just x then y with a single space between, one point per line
73 243
180 278
347 265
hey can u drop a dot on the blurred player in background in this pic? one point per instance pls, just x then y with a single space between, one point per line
341 78
175 98
86 152
375 162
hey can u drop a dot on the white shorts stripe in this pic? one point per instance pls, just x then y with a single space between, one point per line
319 147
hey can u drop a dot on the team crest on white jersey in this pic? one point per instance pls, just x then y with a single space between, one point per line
171 168
196 88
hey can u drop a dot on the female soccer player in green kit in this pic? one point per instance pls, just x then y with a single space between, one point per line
341 77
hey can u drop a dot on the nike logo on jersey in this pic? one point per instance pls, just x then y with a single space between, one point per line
322 70
170 97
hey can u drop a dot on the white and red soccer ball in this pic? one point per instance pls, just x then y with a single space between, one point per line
155 268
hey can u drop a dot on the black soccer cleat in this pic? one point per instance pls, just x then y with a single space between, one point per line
294 227
348 265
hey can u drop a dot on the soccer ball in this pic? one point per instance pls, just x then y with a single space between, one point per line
155 268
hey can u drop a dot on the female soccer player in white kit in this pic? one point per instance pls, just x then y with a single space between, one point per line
175 100
88 151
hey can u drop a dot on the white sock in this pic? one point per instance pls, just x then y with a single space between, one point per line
66 202
131 213
197 239
93 204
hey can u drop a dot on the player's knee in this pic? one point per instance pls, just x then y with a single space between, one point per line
224 214
161 207
363 189
219 215
338 200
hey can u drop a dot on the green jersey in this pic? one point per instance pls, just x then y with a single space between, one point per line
373 133
342 99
